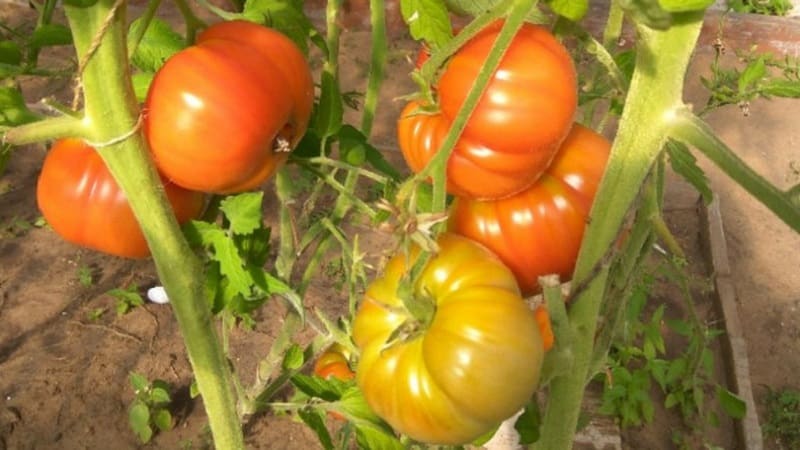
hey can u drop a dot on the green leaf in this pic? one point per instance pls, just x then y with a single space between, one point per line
243 211
680 326
162 419
10 53
139 382
356 150
139 420
51 34
158 43
327 119
194 391
271 284
470 7
685 164
573 10
352 145
427 20
159 395
141 84
231 264
371 431
677 6
647 12
329 390
286 16
528 424
752 74
781 88
13 110
294 358
315 419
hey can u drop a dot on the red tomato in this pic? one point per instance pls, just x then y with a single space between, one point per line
474 170
539 230
222 115
84 205
517 126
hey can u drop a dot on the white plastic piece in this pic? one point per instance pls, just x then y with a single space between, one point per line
157 294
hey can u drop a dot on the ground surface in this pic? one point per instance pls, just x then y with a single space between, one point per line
63 376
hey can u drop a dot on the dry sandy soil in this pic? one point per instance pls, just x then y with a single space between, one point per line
63 377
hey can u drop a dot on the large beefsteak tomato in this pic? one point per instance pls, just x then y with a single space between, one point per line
515 130
79 198
222 115
539 230
472 366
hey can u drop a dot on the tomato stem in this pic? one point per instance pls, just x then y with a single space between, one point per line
47 130
111 110
656 87
692 130
376 65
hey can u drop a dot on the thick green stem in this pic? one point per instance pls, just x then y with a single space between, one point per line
376 65
111 112
655 92
692 130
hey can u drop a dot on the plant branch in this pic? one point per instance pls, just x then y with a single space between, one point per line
47 130
692 130
656 87
111 110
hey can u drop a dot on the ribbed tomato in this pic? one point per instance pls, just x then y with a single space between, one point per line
539 230
222 115
473 365
514 132
84 205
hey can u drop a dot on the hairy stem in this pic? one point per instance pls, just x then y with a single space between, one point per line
112 111
692 130
656 88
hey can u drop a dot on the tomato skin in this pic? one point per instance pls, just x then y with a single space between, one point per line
79 198
474 170
530 102
333 363
517 126
215 110
475 365
539 231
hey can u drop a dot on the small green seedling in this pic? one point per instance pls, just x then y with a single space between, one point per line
149 411
783 417
127 298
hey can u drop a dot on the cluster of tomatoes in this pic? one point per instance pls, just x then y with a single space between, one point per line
524 176
203 136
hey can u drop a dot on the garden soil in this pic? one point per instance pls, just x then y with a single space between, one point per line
65 355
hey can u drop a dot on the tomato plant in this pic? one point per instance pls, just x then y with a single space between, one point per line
512 135
223 115
84 205
539 230
472 364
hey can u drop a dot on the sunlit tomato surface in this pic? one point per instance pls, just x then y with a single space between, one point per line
474 365
222 115
539 230
84 205
513 133
474 170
